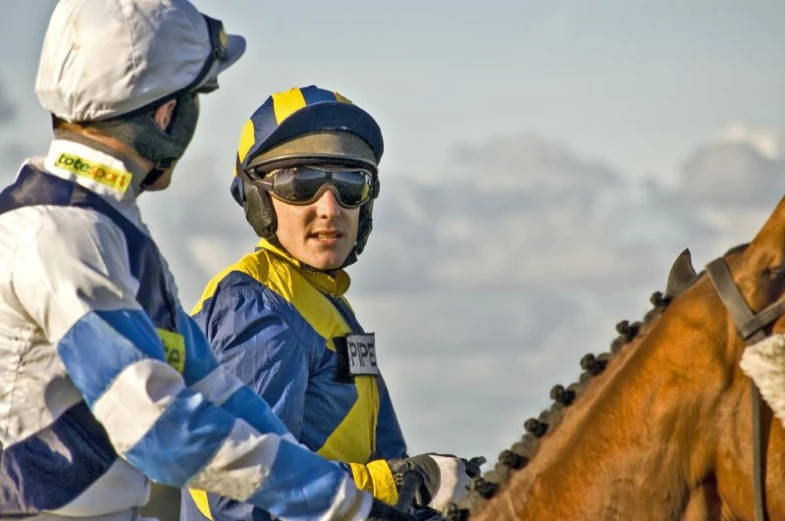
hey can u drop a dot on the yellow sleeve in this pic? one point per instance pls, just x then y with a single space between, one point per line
376 478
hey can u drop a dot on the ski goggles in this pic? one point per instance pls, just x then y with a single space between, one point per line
304 185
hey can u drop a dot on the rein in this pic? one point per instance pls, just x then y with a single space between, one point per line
751 328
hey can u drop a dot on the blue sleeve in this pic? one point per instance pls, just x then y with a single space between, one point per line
254 339
191 440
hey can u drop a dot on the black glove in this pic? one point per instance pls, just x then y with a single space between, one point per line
444 478
383 512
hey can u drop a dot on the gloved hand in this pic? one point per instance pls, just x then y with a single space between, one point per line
445 478
383 512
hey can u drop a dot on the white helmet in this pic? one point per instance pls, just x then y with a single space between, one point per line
105 58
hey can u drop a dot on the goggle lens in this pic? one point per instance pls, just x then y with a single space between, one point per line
304 185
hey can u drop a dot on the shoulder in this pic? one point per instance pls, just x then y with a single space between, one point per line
61 223
58 233
260 276
239 310
68 262
246 295
246 276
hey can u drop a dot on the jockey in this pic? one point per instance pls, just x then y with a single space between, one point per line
105 382
306 176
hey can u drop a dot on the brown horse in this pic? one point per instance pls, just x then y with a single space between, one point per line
661 429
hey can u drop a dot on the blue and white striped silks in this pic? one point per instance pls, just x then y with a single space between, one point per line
105 380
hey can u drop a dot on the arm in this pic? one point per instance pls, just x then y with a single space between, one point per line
376 476
267 345
256 339
260 349
72 276
444 479
241 396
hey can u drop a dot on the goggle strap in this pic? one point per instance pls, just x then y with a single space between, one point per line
262 168
217 51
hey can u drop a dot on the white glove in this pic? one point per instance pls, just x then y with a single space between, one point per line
444 478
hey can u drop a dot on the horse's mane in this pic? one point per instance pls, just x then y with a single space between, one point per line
521 452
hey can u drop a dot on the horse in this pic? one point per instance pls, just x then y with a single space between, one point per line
661 427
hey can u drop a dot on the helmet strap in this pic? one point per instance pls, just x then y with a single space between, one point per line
259 212
155 174
363 232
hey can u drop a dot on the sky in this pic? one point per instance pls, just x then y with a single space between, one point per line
545 162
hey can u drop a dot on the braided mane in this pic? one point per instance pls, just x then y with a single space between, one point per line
518 456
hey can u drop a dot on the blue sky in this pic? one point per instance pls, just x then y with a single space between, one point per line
545 162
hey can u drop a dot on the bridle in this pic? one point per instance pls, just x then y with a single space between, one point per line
751 328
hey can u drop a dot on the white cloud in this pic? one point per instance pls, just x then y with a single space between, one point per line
769 142
727 187
517 211
530 162
732 174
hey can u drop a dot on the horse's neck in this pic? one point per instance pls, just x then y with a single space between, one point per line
666 427
627 446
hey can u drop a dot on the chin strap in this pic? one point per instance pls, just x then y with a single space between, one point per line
155 174
150 179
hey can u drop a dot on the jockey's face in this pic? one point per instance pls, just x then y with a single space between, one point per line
321 234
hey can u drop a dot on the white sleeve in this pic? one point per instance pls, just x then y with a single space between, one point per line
72 275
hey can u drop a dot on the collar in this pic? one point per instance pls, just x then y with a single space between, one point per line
104 172
95 166
334 284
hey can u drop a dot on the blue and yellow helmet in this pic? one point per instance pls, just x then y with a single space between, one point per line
308 125
288 115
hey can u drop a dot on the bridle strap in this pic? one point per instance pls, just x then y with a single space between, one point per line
755 325
750 327
733 299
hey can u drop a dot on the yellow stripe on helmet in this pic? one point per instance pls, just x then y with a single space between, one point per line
342 99
287 102
247 139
